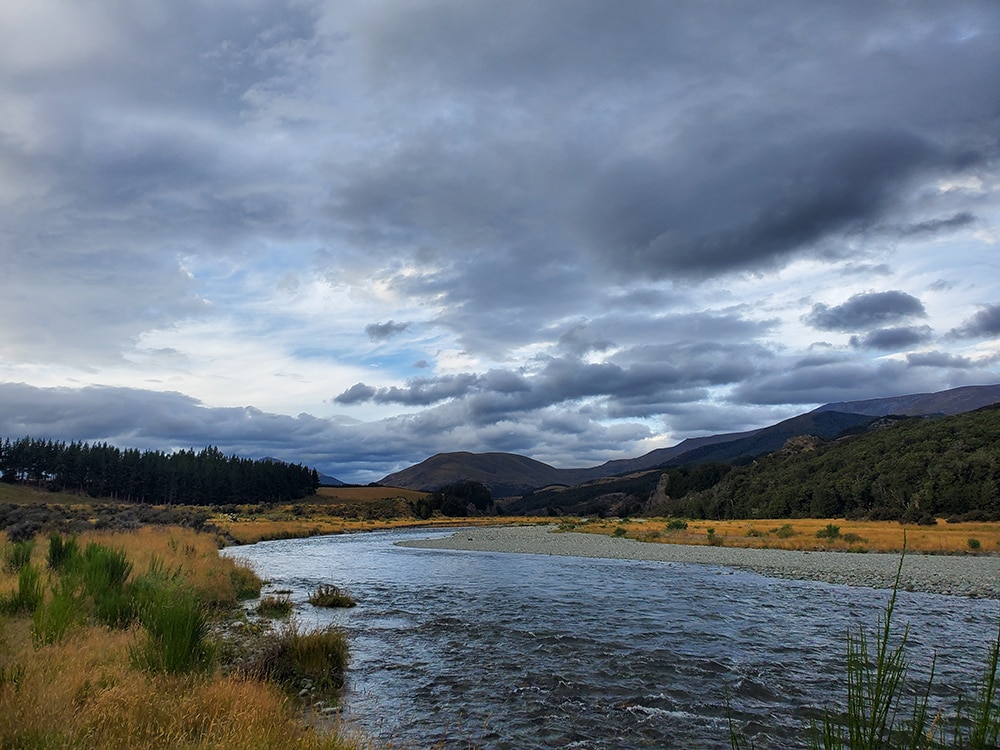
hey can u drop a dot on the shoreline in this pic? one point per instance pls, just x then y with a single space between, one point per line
974 576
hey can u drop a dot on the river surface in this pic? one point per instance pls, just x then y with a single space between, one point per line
492 650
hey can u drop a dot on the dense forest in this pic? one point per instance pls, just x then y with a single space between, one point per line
913 470
204 478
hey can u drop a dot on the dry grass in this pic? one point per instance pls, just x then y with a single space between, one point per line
867 536
278 524
85 692
366 494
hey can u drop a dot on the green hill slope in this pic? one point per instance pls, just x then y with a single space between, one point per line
913 470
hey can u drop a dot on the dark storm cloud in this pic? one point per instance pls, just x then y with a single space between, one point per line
984 324
893 339
938 359
383 331
865 310
646 378
935 226
753 151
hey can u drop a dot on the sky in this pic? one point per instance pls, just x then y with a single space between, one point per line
354 235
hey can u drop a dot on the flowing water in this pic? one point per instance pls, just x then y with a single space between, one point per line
490 650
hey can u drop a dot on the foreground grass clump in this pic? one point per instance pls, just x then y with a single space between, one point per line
274 606
148 677
884 711
317 659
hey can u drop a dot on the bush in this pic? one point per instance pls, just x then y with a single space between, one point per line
28 595
53 620
289 657
831 532
62 554
176 634
784 531
677 524
274 606
246 582
18 554
327 595
974 543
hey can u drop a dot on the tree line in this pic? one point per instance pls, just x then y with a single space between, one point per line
913 471
207 477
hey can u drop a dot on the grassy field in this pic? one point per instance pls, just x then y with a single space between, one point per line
805 534
91 685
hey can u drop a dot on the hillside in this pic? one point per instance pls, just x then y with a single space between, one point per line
914 470
503 473
507 474
954 401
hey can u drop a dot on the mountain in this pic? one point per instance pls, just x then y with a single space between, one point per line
504 473
509 474
954 401
325 480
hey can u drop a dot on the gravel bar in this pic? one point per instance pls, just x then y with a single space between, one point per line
953 575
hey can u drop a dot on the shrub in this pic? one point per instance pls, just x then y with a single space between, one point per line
18 554
288 657
327 595
28 595
53 620
62 554
176 634
831 532
246 582
677 524
784 531
620 531
275 606
851 538
974 543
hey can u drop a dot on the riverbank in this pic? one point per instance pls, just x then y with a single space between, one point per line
955 575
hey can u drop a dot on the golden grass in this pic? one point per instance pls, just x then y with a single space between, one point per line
277 525
872 536
366 494
84 692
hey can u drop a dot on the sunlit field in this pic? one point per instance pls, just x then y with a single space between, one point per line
804 534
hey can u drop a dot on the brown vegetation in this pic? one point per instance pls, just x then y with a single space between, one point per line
85 690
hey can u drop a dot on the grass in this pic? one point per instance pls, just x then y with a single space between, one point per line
274 606
885 711
315 659
810 534
69 680
327 595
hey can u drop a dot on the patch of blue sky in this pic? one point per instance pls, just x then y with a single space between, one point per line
404 361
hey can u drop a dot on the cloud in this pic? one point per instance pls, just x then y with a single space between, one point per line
383 331
893 339
611 223
984 324
865 310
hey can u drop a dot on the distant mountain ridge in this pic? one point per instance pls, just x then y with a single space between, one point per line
508 474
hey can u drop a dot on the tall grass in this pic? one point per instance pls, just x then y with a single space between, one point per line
18 554
879 717
68 680
886 712
176 637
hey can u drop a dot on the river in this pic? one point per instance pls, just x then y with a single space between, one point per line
490 650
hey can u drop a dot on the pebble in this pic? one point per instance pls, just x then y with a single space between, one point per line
954 575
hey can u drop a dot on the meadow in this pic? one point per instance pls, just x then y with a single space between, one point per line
810 534
117 640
